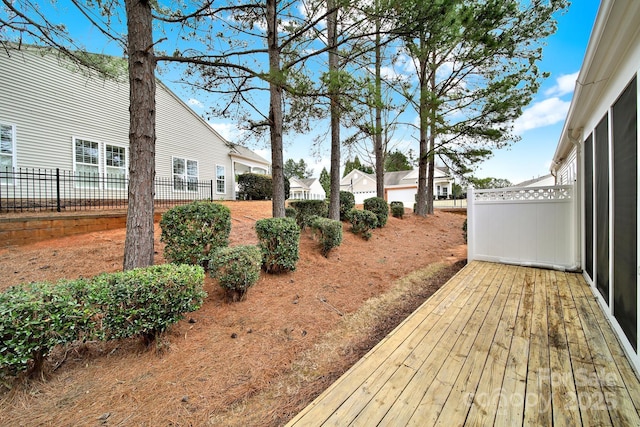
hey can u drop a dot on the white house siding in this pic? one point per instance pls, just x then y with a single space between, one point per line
610 263
50 104
183 134
50 101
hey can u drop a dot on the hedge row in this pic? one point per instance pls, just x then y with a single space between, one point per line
253 186
36 317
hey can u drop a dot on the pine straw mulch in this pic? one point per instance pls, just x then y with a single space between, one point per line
257 362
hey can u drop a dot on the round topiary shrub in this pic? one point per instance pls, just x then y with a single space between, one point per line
237 269
307 209
279 242
397 209
290 212
347 202
329 232
34 318
379 207
362 222
190 232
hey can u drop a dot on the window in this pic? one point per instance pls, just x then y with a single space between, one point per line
220 180
185 174
116 167
87 163
7 149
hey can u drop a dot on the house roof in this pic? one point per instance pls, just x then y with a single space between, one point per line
531 182
614 32
241 151
297 183
395 178
308 181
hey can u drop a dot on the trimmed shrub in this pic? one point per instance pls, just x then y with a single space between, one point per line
329 232
145 301
307 209
379 207
347 202
279 242
397 209
362 222
34 318
290 212
254 186
190 232
237 269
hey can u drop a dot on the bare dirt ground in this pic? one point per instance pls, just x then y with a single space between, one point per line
256 362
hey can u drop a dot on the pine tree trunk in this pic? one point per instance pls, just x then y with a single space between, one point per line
334 93
432 141
379 148
138 250
275 111
423 158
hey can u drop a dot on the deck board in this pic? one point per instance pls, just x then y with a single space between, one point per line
496 345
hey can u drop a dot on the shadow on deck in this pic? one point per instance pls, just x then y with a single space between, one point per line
497 345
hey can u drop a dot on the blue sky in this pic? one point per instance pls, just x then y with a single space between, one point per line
542 121
539 127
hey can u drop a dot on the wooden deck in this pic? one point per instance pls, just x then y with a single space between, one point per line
497 345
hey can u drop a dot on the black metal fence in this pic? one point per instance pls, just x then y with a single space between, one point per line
29 190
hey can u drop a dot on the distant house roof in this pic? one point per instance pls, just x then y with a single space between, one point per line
308 182
395 178
244 152
541 180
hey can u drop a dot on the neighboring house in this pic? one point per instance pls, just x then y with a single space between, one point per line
54 114
306 189
399 186
540 181
598 149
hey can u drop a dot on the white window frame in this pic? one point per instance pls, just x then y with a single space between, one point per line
221 179
79 183
109 184
185 176
13 150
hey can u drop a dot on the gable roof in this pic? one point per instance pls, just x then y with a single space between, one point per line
395 178
242 151
532 182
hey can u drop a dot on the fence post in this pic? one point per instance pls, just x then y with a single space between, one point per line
211 184
471 223
58 189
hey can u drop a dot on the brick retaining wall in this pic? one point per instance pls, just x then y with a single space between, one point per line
18 231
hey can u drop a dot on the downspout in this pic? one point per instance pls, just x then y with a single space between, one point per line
575 137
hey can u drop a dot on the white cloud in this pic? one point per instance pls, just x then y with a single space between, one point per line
195 103
540 114
564 85
229 131
265 153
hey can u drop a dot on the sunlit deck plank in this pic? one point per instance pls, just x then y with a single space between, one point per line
497 345
563 388
376 398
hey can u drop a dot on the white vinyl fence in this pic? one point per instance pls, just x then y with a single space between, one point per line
535 226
